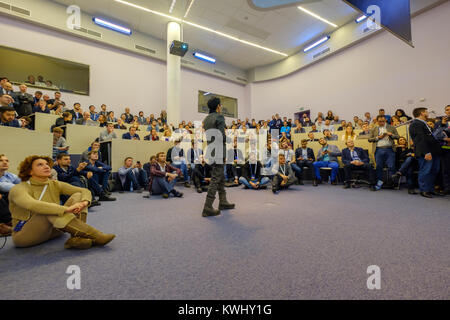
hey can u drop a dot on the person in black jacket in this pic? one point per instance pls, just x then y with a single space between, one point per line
63 122
234 161
427 151
304 157
202 175
405 162
355 158
251 174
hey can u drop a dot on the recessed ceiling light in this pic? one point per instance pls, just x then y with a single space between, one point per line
317 16
200 27
172 5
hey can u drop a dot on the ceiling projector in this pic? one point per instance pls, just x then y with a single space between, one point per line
179 48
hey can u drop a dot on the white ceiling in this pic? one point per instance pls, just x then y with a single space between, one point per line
286 29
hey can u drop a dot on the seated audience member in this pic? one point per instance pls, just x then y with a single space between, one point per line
304 158
328 126
131 134
234 161
286 129
289 156
128 116
365 133
95 146
153 136
51 102
400 113
163 178
25 123
86 120
175 156
251 174
349 133
141 119
343 126
202 175
7 181
194 153
8 117
58 109
319 124
395 121
76 112
92 114
367 117
59 142
319 115
37 97
444 121
388 118
147 166
336 121
284 177
71 175
101 171
326 158
49 219
108 134
41 107
330 116
306 121
103 112
102 121
24 101
311 137
355 158
299 128
132 177
314 129
284 138
6 101
120 125
383 136
329 136
110 117
406 163
355 121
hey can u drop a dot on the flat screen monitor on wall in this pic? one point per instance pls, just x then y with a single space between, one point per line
229 105
43 72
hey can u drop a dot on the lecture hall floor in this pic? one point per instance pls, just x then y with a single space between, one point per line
305 243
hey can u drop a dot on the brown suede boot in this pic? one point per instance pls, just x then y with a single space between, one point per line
78 242
223 202
78 228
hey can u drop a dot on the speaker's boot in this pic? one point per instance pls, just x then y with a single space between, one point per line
208 210
223 202
79 229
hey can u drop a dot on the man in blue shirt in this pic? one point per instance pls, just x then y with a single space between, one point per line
131 135
355 158
7 181
100 170
132 177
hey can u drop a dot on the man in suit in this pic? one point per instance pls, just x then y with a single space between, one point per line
305 158
355 158
131 134
251 174
25 101
427 151
3 80
128 116
234 162
382 136
327 157
8 90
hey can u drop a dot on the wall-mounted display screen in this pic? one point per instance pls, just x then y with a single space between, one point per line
44 72
229 105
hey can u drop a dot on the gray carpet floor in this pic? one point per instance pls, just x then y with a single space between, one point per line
305 243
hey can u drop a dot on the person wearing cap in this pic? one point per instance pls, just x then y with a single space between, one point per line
215 121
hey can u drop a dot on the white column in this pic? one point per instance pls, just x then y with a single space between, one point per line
173 76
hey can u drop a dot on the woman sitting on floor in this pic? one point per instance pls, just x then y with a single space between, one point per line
37 215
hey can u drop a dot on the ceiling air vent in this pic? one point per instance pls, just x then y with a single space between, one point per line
5 6
142 48
321 53
21 11
220 72
187 62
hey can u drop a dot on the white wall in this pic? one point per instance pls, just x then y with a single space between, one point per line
118 78
382 71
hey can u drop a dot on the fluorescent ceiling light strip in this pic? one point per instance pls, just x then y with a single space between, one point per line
189 8
172 5
317 16
361 19
201 56
200 27
317 43
112 26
